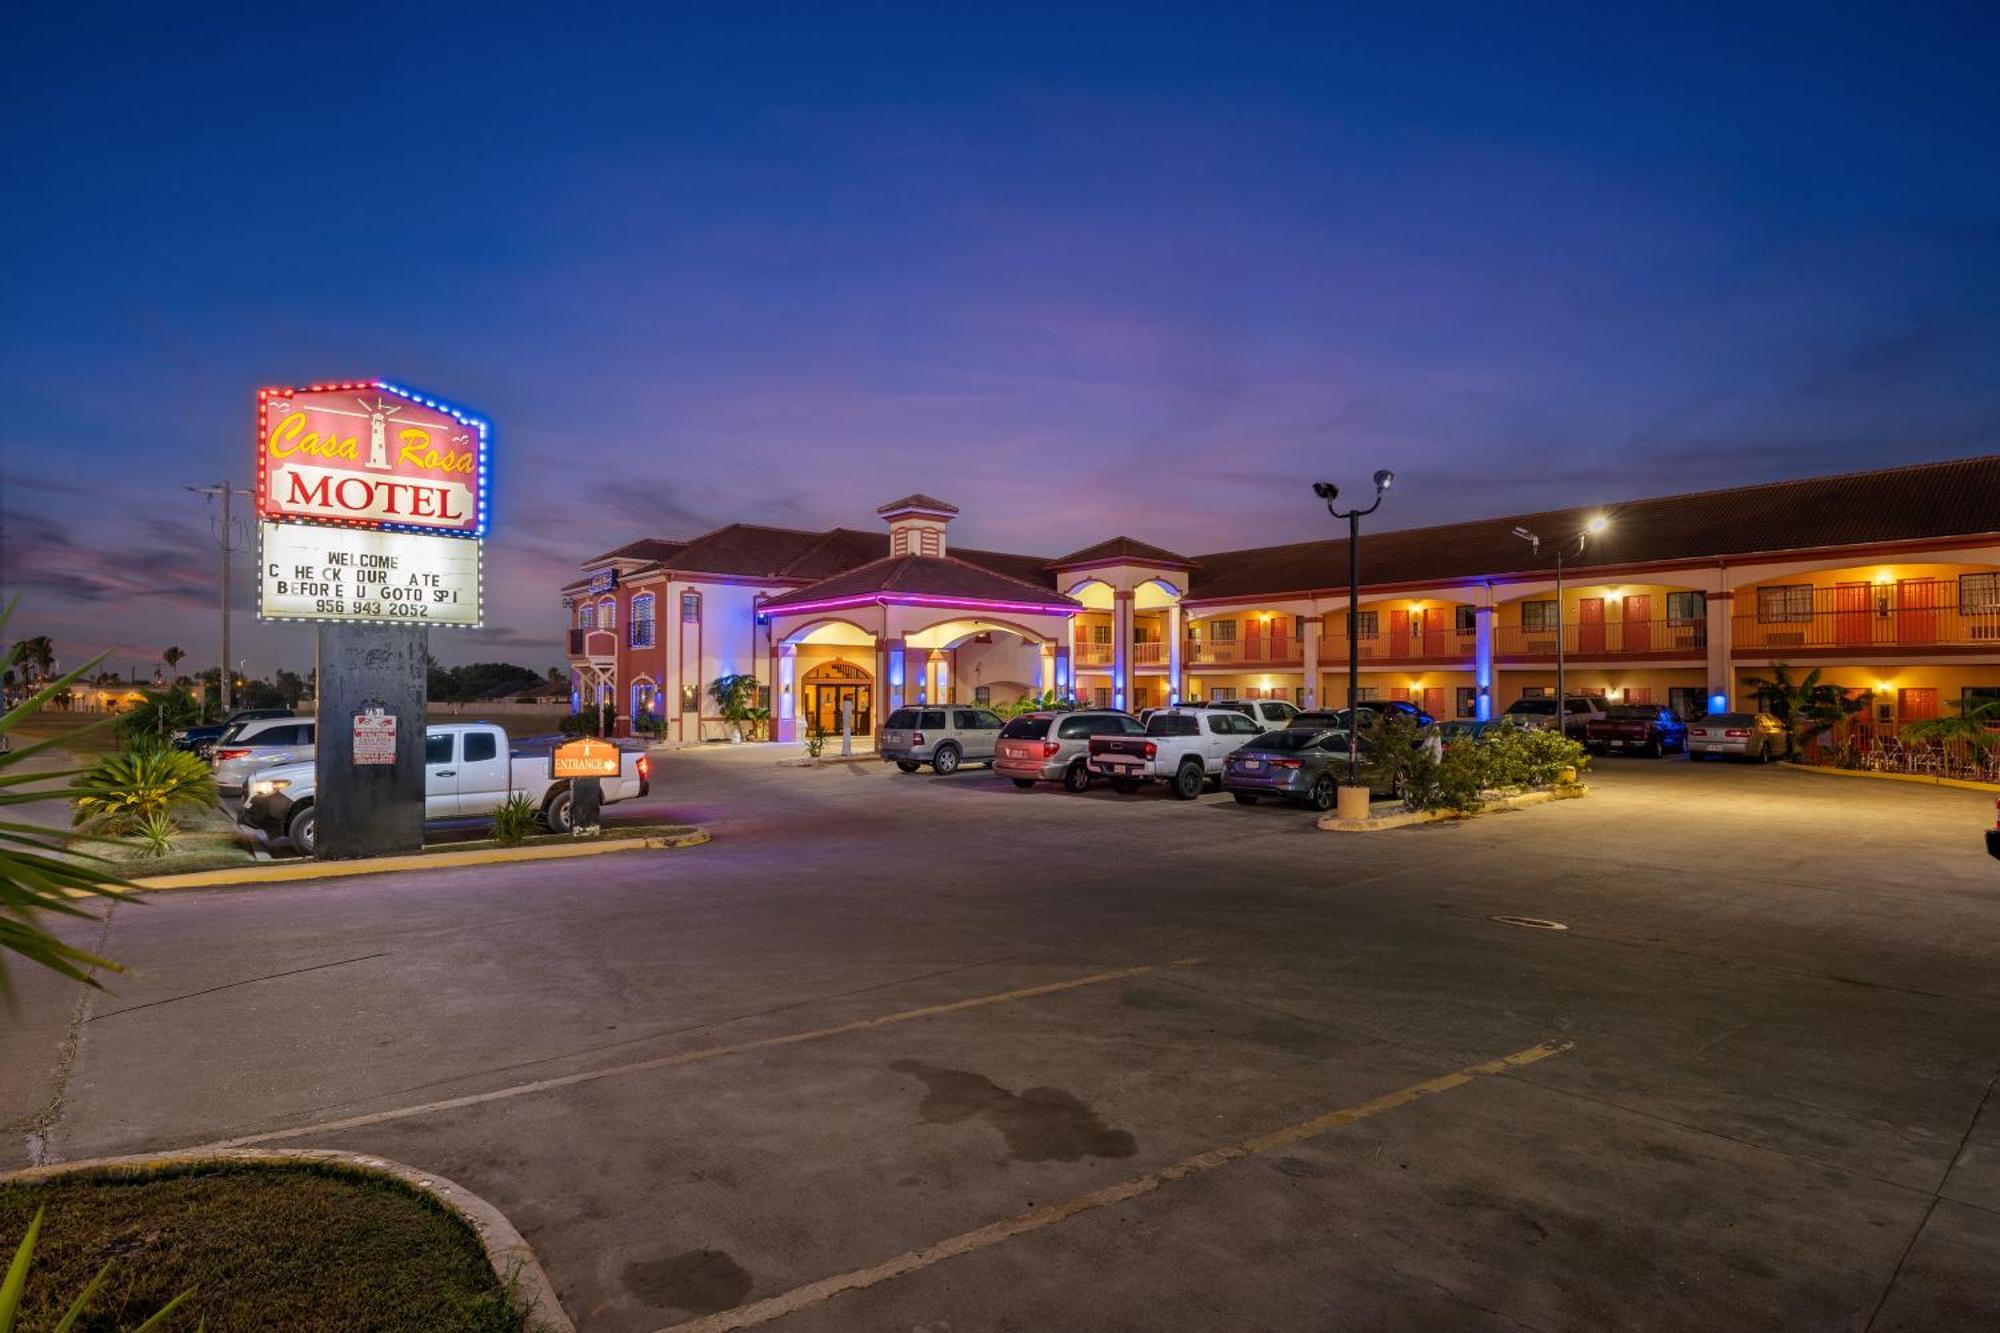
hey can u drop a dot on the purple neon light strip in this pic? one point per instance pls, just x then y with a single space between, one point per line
920 599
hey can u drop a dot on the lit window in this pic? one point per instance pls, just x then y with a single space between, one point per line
607 613
1222 631
1538 615
642 620
1784 603
690 608
586 616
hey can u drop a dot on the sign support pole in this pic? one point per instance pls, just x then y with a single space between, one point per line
379 674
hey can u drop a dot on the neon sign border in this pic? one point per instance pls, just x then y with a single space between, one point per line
482 497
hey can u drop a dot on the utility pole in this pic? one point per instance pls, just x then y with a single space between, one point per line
226 544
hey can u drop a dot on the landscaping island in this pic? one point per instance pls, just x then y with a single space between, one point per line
301 1246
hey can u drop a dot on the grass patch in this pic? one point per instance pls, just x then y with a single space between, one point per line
295 1246
607 833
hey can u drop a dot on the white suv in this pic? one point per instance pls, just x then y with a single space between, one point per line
1273 713
1182 747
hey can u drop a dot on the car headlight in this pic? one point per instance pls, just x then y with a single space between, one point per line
269 786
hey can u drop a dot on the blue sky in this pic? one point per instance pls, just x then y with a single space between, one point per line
1078 270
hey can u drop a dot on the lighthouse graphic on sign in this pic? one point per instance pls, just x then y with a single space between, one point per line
378 432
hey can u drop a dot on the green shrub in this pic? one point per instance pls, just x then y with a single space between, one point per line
577 724
1397 756
156 833
815 738
151 725
1464 776
515 819
1533 757
122 791
648 724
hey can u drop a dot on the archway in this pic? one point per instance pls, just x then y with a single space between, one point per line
832 687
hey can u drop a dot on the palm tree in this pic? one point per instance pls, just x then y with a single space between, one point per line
1808 708
1977 725
38 654
172 657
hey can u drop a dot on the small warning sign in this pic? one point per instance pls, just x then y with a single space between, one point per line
374 737
585 758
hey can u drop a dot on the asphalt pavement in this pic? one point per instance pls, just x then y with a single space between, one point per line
937 1054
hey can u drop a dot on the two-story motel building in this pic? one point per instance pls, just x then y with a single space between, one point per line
1889 581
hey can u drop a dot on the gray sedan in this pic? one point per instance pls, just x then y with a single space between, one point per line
1296 764
1757 736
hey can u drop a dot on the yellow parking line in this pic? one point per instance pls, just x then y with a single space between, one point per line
690 1057
799 1298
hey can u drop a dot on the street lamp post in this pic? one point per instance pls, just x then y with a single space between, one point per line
1329 492
1562 549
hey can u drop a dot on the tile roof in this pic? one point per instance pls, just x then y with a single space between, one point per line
1123 548
646 548
1956 498
917 501
938 576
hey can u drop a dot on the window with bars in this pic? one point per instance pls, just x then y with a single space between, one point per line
1222 631
642 621
1978 594
690 608
1784 603
1100 636
607 613
1538 616
586 616
1687 608
1367 624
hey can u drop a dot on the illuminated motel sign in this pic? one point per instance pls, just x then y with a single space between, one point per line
372 454
373 500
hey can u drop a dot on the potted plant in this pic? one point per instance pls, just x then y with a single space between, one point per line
736 698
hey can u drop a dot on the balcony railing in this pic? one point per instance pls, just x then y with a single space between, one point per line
1403 646
1251 650
1150 653
593 643
1094 654
1608 638
1870 626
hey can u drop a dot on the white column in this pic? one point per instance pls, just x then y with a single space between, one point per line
1174 682
1311 695
1121 649
1483 674
1721 646
787 728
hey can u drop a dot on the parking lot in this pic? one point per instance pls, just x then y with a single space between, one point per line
933 1053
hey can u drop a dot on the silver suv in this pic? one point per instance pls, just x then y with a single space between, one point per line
250 746
943 736
1055 747
1271 712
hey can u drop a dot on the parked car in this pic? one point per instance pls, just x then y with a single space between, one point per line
1466 729
1636 729
1055 747
1270 712
1183 747
1293 763
942 736
1336 718
253 746
1993 834
201 740
1757 736
1579 712
469 769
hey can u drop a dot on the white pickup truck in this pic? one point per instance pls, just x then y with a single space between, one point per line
469 770
1182 747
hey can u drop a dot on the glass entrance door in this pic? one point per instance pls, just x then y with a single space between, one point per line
826 704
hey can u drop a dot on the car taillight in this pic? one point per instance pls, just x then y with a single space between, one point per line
1697 731
645 767
916 738
1050 749
1287 763
1151 750
232 754
1736 731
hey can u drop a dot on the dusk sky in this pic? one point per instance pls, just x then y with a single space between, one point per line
1079 271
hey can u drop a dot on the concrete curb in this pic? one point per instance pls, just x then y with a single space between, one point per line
514 1263
1404 819
285 872
1963 784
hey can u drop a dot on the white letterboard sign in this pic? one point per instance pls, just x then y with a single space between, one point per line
315 572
